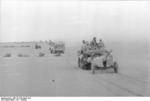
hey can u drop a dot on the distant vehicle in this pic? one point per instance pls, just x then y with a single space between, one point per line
58 48
37 46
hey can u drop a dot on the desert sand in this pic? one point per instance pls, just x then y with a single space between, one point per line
24 73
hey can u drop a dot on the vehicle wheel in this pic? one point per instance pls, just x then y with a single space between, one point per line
81 65
93 71
88 66
79 62
115 67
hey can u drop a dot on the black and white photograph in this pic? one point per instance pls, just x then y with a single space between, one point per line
74 48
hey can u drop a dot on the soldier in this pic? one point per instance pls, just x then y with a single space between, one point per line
83 48
100 44
94 43
87 45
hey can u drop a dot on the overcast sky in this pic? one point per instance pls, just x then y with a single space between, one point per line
72 21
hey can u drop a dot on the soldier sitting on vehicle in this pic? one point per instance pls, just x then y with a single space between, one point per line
100 44
83 48
94 43
88 47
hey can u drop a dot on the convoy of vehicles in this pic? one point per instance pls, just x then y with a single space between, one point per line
92 55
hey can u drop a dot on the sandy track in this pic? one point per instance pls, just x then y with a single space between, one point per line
60 76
